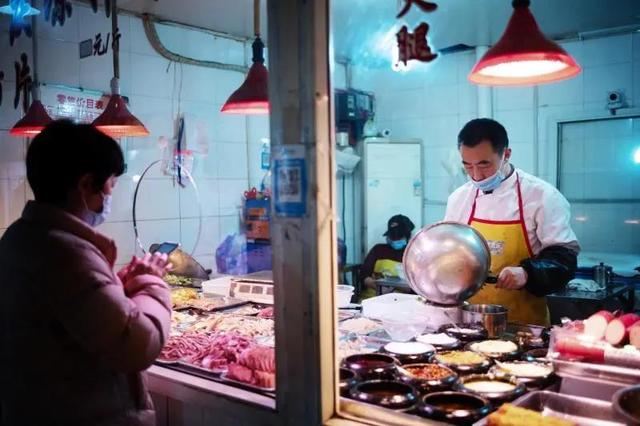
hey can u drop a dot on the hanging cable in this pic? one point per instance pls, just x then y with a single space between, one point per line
152 35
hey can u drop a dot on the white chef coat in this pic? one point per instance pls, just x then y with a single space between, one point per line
547 213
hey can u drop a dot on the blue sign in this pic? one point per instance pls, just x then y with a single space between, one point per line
290 180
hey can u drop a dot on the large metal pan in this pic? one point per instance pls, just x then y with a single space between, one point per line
447 263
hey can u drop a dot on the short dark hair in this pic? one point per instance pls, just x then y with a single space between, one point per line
484 129
63 152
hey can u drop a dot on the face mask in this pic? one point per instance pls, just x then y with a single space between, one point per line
95 219
492 182
398 244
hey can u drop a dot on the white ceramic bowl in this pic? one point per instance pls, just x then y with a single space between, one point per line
344 293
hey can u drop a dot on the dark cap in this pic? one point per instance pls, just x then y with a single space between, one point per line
398 227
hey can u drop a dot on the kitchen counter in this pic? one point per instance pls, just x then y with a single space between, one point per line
581 304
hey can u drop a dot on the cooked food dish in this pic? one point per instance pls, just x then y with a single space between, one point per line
256 366
409 348
359 325
460 358
526 369
510 415
442 339
429 372
182 296
489 386
494 347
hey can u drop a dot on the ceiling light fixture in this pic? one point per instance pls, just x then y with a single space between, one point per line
523 55
36 117
252 97
116 120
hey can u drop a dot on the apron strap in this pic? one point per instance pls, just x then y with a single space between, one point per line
473 207
522 221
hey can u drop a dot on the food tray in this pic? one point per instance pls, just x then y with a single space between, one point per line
202 369
583 370
161 361
581 411
246 385
226 303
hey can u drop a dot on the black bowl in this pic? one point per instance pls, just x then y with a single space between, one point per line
414 358
426 385
348 379
626 403
454 407
472 368
500 356
386 393
465 332
372 366
494 396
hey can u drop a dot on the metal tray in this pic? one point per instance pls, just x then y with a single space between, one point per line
583 370
246 385
228 303
202 369
581 411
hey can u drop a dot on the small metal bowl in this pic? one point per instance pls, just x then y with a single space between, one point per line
500 356
394 349
386 393
479 367
348 379
626 402
425 385
529 381
372 366
460 333
441 347
454 407
516 389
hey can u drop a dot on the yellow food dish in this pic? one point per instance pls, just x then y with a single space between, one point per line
460 358
510 415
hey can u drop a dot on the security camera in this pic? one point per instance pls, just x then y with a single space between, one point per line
615 101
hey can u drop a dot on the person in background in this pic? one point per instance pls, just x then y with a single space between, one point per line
525 221
385 260
74 334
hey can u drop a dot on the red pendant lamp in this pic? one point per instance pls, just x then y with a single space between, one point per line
116 120
36 117
523 55
252 97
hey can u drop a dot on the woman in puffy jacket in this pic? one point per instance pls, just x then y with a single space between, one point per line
75 336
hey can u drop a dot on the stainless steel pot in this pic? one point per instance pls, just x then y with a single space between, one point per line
447 263
492 317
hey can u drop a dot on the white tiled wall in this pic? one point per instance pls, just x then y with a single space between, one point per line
433 102
227 146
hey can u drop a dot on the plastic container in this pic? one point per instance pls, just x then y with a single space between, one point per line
218 286
402 328
344 293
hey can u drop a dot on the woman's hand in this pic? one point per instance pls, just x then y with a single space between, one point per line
155 264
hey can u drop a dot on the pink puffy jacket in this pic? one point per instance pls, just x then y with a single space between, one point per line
73 339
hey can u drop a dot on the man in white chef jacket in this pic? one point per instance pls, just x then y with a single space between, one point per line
525 221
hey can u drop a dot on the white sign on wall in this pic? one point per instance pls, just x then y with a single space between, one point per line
80 106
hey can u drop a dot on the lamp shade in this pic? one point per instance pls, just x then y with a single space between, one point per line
523 55
116 120
252 97
33 122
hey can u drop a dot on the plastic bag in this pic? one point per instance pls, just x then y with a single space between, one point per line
231 255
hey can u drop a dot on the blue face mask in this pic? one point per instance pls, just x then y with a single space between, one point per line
492 182
94 219
398 244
